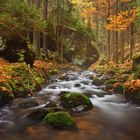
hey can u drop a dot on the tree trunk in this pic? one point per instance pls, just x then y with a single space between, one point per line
108 36
36 35
132 40
122 46
57 28
45 47
62 33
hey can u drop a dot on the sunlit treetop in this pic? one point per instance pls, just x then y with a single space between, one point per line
122 20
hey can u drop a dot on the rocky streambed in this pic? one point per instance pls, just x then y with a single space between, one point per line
78 108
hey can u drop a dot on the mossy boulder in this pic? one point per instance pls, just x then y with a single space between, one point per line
76 102
15 48
60 120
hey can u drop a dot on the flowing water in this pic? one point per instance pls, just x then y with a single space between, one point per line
112 118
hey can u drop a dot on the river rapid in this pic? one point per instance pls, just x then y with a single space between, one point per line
112 117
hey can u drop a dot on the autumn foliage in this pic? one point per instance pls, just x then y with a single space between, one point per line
122 20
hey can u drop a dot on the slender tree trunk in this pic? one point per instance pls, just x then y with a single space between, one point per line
108 36
97 25
36 35
122 46
117 38
132 40
122 39
57 28
62 33
45 43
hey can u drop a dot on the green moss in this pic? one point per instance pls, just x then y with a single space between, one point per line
72 100
59 120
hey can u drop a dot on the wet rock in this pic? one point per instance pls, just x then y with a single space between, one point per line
28 103
37 115
77 85
25 93
51 104
55 86
93 76
73 100
14 47
97 92
60 120
85 82
64 77
6 98
55 109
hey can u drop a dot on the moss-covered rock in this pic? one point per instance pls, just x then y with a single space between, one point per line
76 101
17 49
59 120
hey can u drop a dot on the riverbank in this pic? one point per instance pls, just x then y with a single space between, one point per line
119 78
20 80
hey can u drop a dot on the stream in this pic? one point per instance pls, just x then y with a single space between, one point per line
112 117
